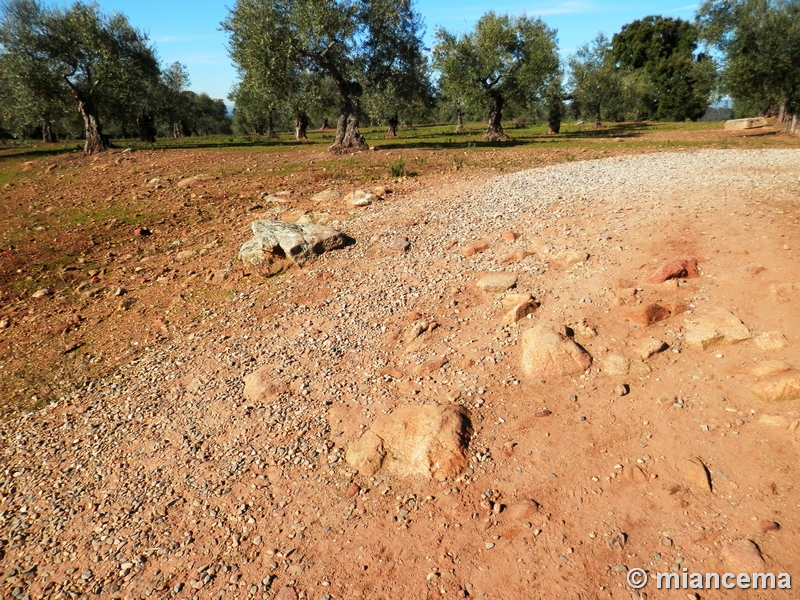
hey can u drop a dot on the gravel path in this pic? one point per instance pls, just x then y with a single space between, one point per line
165 463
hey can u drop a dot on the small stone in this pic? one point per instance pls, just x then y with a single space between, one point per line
769 526
286 593
695 473
42 292
522 511
744 556
617 541
352 490
398 244
474 248
650 346
497 283
358 198
325 195
649 314
519 312
510 236
622 389
547 352
256 540
489 545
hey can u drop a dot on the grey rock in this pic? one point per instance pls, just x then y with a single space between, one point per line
298 242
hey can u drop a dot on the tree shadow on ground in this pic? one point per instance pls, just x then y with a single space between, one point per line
34 152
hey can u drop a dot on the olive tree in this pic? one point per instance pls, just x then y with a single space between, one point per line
100 63
504 58
359 44
760 42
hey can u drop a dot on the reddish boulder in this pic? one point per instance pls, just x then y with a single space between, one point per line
683 266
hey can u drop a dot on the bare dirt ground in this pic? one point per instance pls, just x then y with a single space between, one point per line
147 474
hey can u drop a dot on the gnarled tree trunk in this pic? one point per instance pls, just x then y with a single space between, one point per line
325 124
495 129
271 128
393 122
348 137
301 126
459 121
147 128
597 122
48 137
95 142
791 124
554 114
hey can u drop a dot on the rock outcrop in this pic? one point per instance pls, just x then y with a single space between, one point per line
297 242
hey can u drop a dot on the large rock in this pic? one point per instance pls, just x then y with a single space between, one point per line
427 441
547 352
683 266
779 387
746 123
295 241
716 327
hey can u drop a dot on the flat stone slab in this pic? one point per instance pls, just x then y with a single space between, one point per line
497 283
746 123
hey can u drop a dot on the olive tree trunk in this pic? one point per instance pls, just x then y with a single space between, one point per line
147 128
271 128
325 124
459 121
48 137
348 137
95 142
495 129
393 123
301 126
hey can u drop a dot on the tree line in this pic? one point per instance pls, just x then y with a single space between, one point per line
335 63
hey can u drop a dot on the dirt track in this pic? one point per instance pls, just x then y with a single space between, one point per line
162 481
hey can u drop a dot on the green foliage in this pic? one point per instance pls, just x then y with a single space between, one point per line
282 49
397 169
680 82
503 59
595 82
760 41
78 56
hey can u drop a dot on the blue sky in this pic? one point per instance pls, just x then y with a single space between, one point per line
188 31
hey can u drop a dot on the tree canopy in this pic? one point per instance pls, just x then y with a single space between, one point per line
760 45
503 58
76 54
359 44
665 49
